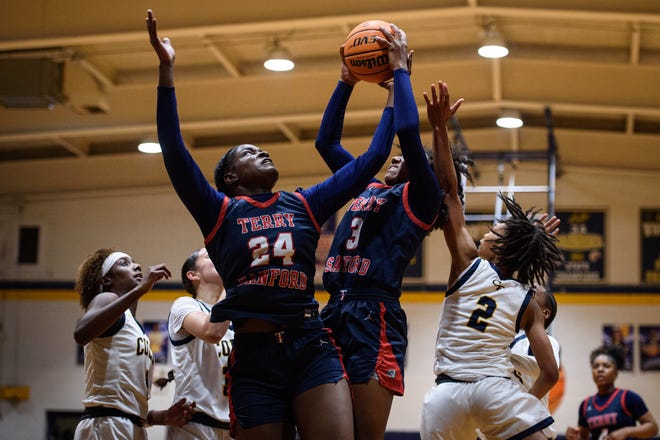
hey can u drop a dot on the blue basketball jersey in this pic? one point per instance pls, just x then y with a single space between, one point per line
264 252
605 414
374 242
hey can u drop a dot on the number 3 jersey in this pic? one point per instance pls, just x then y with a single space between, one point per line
374 242
264 250
481 316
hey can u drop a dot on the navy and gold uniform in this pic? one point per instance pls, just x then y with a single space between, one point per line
604 414
481 315
118 375
197 376
375 241
263 247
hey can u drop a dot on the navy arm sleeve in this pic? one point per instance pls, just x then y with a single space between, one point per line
424 189
582 420
328 140
327 197
635 405
199 197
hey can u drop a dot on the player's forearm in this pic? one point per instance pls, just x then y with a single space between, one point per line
544 383
644 430
214 331
443 161
328 140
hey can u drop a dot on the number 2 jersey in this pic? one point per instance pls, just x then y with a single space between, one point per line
481 316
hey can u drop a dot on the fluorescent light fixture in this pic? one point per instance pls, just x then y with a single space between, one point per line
509 119
492 43
279 58
149 147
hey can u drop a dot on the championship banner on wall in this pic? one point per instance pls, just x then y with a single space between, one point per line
582 241
650 246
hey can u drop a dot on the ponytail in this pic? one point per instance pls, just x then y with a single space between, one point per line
163 381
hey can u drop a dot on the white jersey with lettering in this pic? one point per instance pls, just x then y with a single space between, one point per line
119 369
481 316
118 374
199 367
525 368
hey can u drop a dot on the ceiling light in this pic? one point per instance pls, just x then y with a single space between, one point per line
278 58
149 147
492 43
509 119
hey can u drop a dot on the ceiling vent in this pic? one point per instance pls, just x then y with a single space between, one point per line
31 83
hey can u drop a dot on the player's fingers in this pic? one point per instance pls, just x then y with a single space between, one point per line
426 98
457 105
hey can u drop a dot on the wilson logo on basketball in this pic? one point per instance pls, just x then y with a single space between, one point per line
370 63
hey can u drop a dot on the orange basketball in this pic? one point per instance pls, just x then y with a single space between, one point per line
364 56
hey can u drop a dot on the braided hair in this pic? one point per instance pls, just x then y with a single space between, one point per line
224 165
162 382
524 246
89 280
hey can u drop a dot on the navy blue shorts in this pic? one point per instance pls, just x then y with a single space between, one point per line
372 333
267 371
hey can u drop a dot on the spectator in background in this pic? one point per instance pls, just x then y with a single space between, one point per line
612 413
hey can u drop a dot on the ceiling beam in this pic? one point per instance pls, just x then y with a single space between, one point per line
338 22
281 121
222 59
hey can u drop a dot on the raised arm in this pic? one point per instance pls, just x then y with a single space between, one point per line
330 195
107 308
201 199
328 140
423 190
460 243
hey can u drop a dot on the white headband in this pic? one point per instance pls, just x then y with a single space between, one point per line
111 260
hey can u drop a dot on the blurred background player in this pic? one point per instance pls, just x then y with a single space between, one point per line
525 368
200 351
612 413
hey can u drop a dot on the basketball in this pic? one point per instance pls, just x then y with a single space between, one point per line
364 56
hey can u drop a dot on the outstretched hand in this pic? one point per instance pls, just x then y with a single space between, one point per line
438 109
152 275
551 225
397 43
163 47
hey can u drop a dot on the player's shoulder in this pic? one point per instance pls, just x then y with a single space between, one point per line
185 304
184 300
